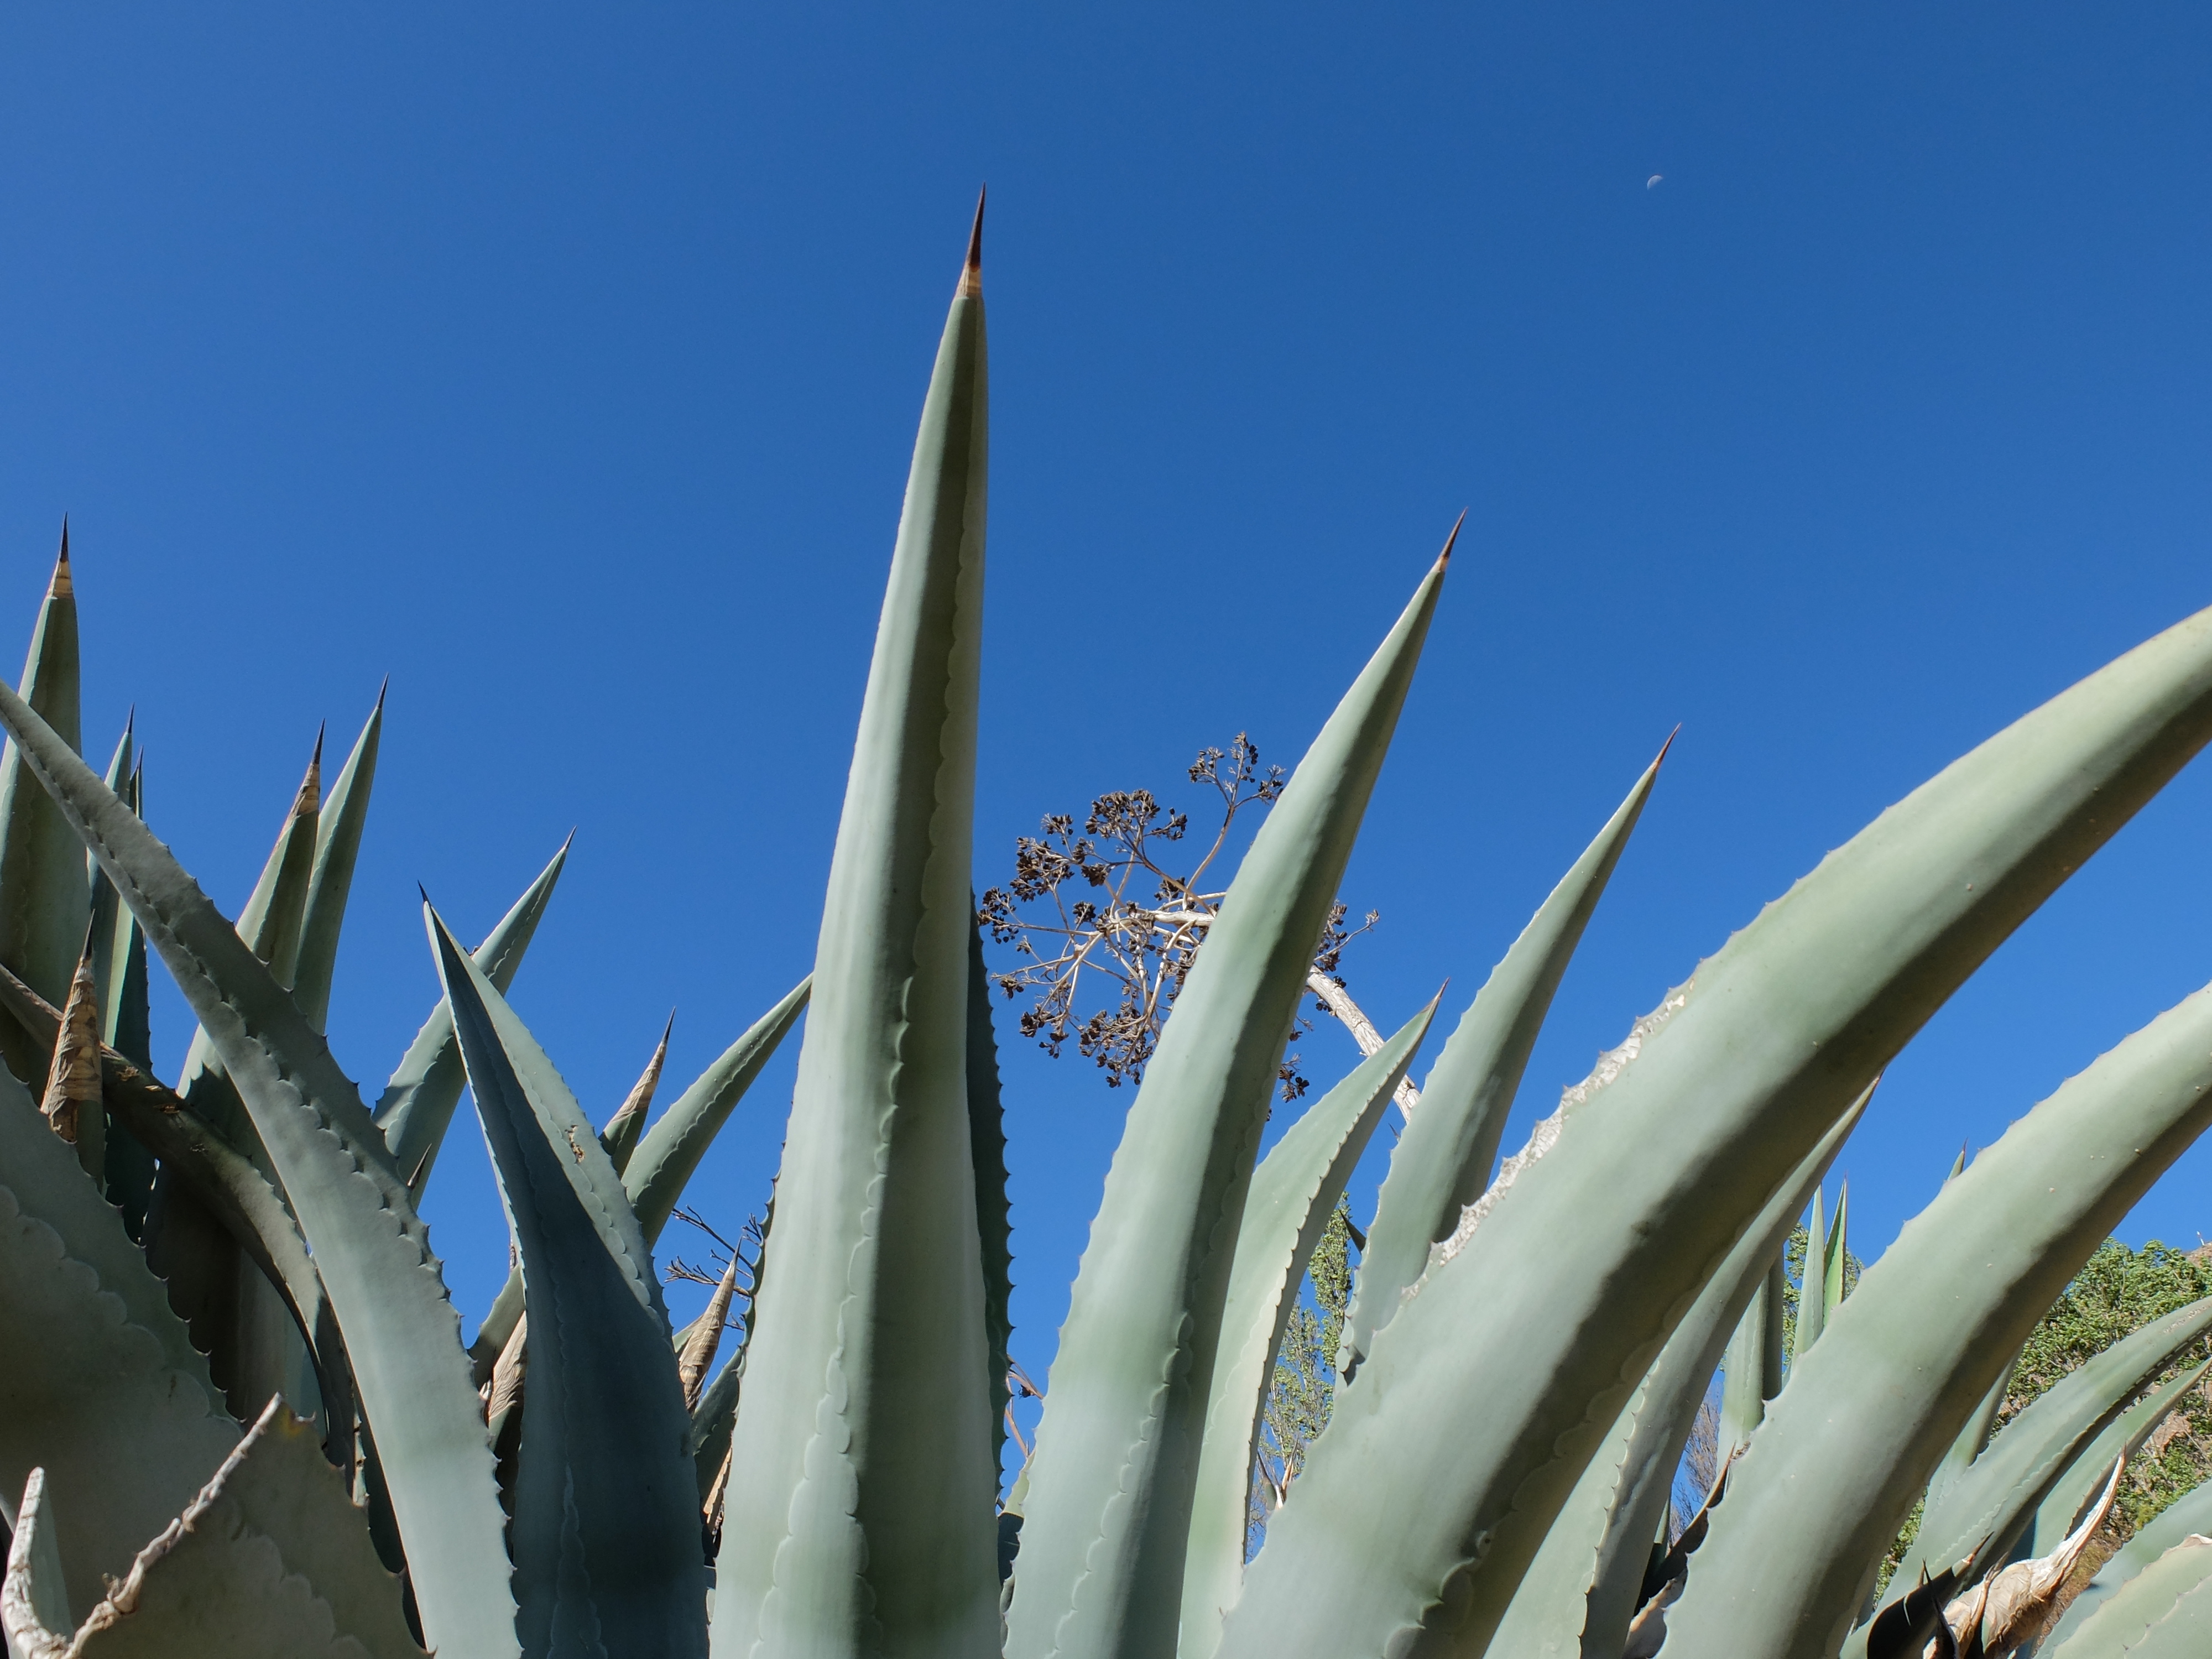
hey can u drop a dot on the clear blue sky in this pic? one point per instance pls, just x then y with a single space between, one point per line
561 362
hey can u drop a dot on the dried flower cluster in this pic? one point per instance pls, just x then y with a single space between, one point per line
1104 904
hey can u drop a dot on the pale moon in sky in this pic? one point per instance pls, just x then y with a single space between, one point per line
1653 179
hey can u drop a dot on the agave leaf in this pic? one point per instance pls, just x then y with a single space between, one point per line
1540 1325
270 1560
72 1104
845 1532
417 1104
1929 1328
666 1158
1970 1439
330 882
2163 1612
238 1194
2183 1634
1811 1302
606 1530
1832 1258
235 1313
620 1137
656 1173
1983 1513
102 1388
987 1141
1581 1594
269 926
2122 1438
2011 1606
402 1334
2187 1515
1442 1163
1294 1192
120 971
715 1414
1753 1368
697 1352
1116 1460
45 904
33 1599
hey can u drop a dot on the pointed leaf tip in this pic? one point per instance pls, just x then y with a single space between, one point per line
971 274
1660 759
61 586
1443 559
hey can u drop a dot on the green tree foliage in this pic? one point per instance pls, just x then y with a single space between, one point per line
2119 1290
1304 1383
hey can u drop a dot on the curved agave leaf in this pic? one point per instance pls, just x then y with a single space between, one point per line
2188 1515
1932 1325
1812 1300
1970 1439
1409 1528
33 1599
655 1175
620 1137
270 1560
1294 1192
337 846
2071 1493
235 1313
226 1182
715 1415
101 1387
847 1532
1581 1593
1753 1366
2163 1611
1983 1512
119 967
606 1536
402 1334
417 1104
987 1141
665 1159
1116 1462
1442 1163
45 904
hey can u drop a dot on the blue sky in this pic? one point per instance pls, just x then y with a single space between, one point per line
561 362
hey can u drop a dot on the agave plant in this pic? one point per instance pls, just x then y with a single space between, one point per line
314 1464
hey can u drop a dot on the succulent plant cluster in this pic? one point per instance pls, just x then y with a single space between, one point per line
237 1418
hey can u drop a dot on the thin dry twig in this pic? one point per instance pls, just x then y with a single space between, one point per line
1106 905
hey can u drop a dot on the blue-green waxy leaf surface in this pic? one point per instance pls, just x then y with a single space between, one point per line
1411 1533
1581 1591
417 1104
45 904
606 1520
2074 1491
847 1532
1442 1163
100 1384
1986 1510
656 1173
2188 1515
330 882
400 1330
235 1314
1111 1486
2162 1611
1294 1192
987 1141
1931 1325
